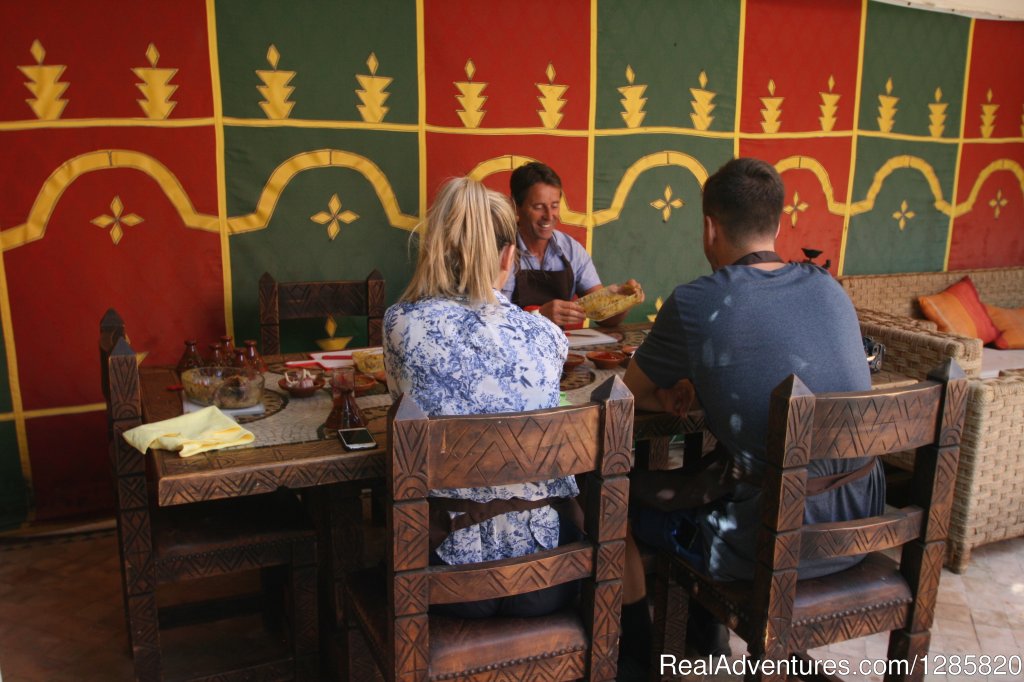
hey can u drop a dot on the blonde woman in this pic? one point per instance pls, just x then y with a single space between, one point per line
458 346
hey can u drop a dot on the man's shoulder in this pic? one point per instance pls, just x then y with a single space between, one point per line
567 243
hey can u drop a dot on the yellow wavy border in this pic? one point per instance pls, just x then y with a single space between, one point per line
55 185
899 163
53 188
321 158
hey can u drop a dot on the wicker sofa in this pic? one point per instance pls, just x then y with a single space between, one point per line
988 504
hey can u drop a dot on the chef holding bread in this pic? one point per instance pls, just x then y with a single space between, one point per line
553 267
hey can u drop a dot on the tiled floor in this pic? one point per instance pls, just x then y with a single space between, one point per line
61 618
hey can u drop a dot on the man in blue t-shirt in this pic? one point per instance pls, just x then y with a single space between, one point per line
553 267
726 340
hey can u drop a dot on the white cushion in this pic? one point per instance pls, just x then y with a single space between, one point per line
993 361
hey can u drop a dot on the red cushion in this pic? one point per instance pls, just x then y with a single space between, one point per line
958 310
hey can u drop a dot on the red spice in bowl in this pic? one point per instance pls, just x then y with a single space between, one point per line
606 359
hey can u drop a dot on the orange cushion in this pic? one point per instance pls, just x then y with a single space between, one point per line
1010 323
958 310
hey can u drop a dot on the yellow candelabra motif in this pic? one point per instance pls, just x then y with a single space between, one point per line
828 107
667 203
770 122
701 104
115 221
657 306
45 85
156 86
887 108
937 117
998 203
332 216
275 88
633 100
471 99
988 116
795 209
903 215
372 94
550 99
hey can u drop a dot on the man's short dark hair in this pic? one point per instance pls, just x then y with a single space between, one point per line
528 175
745 197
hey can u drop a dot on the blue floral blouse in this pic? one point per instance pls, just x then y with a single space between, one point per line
455 357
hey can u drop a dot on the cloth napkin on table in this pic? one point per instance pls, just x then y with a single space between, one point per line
190 434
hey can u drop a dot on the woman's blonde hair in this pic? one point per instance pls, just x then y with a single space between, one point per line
460 242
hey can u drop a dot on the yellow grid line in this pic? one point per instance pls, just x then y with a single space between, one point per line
853 142
960 150
737 127
18 416
222 201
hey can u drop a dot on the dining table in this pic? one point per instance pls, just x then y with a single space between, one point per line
292 449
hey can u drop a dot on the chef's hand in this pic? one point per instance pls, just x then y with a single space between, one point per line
563 313
628 287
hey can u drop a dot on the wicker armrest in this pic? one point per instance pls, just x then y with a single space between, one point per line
915 352
893 320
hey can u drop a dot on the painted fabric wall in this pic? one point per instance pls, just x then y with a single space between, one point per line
160 156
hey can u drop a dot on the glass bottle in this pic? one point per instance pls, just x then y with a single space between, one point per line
345 414
190 358
216 358
238 358
227 345
253 357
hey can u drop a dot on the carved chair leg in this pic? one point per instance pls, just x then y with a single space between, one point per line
910 649
671 612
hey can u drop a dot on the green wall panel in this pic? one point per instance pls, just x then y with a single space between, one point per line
921 52
876 241
667 43
641 243
293 246
326 44
14 492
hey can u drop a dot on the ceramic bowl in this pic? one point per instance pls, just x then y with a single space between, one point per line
606 359
364 383
302 389
572 361
226 387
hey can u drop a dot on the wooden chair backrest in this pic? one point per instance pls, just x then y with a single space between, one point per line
927 416
310 300
500 449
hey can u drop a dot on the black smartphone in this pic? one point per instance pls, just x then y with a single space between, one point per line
356 439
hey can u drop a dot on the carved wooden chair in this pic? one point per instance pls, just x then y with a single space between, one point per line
425 453
159 546
780 617
310 300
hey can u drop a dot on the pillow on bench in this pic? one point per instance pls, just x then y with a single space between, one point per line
959 310
1010 323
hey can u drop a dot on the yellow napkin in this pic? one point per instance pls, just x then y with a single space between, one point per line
190 434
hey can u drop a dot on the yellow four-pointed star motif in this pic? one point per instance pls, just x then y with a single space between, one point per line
333 215
115 221
666 204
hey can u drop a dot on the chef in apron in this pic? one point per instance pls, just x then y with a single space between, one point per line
554 269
